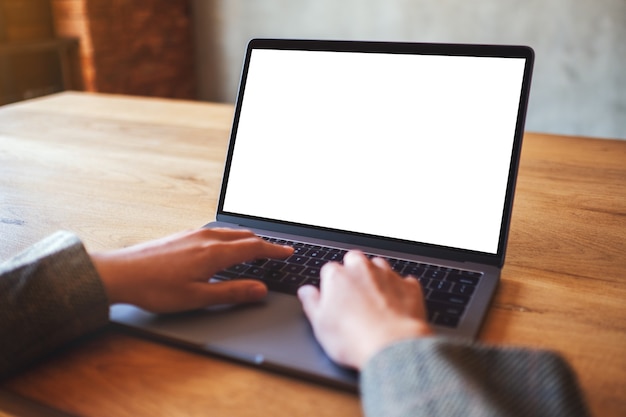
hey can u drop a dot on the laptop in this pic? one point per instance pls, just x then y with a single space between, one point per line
406 151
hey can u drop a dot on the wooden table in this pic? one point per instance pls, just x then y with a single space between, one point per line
120 170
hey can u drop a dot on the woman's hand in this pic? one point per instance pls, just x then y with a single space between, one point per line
171 274
361 307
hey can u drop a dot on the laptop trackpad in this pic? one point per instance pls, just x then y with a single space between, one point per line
273 334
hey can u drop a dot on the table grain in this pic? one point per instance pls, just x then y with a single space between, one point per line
118 170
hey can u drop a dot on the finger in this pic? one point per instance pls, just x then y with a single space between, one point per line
231 292
309 296
413 282
356 262
412 279
336 278
329 269
381 263
222 234
354 258
237 251
226 234
414 285
255 247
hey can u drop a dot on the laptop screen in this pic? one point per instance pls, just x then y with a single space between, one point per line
415 147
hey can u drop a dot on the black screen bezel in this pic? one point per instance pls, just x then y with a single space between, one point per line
348 237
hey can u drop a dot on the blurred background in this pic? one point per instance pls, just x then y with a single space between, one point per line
193 49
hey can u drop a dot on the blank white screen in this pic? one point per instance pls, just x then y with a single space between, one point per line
414 147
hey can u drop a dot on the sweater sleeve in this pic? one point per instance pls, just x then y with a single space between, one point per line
49 295
439 377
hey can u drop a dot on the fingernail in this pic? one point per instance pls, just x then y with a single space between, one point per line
305 290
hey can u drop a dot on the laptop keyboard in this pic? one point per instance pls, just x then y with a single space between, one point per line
447 290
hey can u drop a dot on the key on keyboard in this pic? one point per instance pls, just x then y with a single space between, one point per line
447 291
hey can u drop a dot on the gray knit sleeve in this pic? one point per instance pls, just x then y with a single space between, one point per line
439 377
49 295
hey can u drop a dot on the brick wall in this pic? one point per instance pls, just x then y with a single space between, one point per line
132 47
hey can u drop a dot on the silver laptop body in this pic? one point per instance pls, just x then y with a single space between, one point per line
408 151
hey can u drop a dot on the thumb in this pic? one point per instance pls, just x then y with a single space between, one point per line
233 292
310 298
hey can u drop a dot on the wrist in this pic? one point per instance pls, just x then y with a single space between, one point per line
412 329
109 273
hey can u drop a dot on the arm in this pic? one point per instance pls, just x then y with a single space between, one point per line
49 294
171 274
56 291
424 377
368 318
